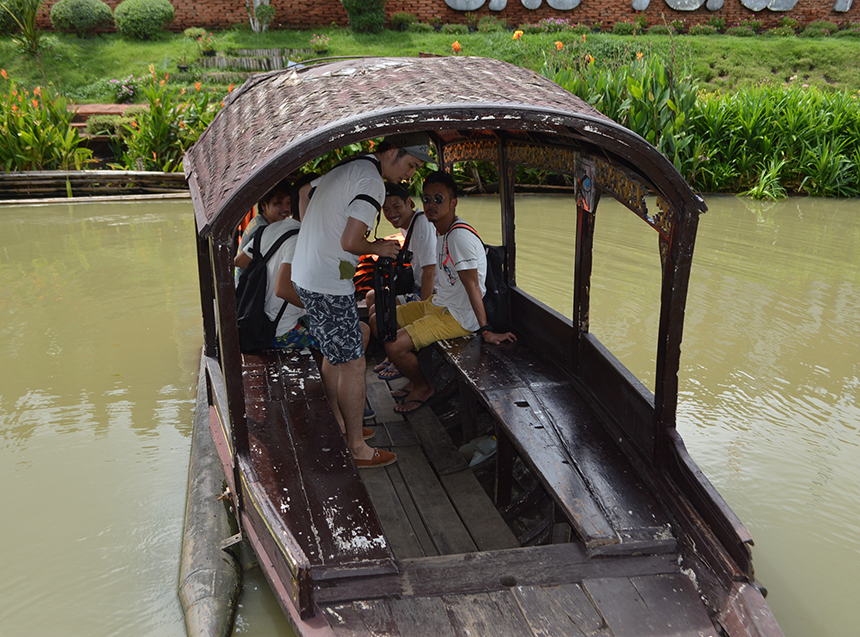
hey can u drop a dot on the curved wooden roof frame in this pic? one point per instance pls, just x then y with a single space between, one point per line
278 121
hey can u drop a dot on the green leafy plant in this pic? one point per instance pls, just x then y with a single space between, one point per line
123 90
402 20
702 29
25 13
489 23
192 33
365 16
36 131
264 13
142 19
740 31
661 29
456 29
159 135
8 21
769 184
81 17
623 28
320 42
718 23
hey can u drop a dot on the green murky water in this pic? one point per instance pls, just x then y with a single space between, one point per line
99 344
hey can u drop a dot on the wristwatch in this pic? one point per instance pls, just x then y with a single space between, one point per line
485 328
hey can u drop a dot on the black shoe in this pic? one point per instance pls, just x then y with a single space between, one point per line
369 414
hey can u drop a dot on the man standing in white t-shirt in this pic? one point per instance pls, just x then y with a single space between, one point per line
341 213
457 308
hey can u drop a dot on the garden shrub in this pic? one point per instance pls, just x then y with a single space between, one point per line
623 28
455 28
814 32
790 23
680 25
365 16
7 22
142 19
779 32
111 125
718 23
82 17
420 27
192 33
703 29
402 21
661 29
740 31
850 31
488 23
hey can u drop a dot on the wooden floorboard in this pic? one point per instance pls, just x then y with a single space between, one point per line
486 527
654 606
401 535
421 617
553 564
439 515
478 614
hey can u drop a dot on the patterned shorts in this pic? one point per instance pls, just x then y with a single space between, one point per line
335 325
299 337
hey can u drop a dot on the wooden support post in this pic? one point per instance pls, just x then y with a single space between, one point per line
504 469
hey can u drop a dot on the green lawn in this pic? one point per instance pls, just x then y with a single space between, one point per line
81 67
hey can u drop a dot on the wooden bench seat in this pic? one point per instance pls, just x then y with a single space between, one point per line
301 473
556 433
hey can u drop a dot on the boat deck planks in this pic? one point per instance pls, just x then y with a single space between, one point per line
290 424
550 424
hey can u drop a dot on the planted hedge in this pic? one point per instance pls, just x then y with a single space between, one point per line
82 17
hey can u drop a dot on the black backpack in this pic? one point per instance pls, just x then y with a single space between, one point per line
256 329
496 298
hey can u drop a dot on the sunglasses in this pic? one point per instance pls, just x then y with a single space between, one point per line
437 199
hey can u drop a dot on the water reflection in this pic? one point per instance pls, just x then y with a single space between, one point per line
770 371
100 340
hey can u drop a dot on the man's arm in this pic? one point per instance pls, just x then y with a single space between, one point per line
242 260
469 278
353 241
284 285
428 279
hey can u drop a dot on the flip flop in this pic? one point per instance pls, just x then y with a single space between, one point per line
381 367
399 394
418 404
391 373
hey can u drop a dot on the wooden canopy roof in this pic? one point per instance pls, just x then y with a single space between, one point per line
278 121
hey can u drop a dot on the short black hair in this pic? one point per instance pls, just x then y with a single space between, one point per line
282 187
441 177
396 190
297 186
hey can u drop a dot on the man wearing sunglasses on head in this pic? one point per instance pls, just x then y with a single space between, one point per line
457 308
343 209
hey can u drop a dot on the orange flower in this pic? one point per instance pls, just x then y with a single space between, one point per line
37 91
230 89
583 37
589 59
638 55
14 107
161 83
182 91
518 35
197 85
456 48
3 73
35 104
559 45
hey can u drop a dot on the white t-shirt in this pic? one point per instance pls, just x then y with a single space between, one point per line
284 254
320 264
464 252
422 245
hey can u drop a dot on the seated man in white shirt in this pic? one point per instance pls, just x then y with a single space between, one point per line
293 327
457 308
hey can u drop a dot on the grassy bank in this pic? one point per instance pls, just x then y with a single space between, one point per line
80 68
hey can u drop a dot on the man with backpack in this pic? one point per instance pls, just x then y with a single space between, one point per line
344 208
457 309
274 244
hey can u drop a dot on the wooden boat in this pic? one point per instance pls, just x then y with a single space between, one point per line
634 540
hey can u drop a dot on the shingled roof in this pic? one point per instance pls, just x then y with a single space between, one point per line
278 121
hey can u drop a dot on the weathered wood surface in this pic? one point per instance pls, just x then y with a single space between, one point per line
561 439
625 596
301 462
430 495
41 184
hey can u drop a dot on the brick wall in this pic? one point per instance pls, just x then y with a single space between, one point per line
306 14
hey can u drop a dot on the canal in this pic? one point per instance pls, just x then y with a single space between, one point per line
101 336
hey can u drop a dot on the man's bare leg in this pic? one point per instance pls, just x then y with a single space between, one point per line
401 352
351 396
